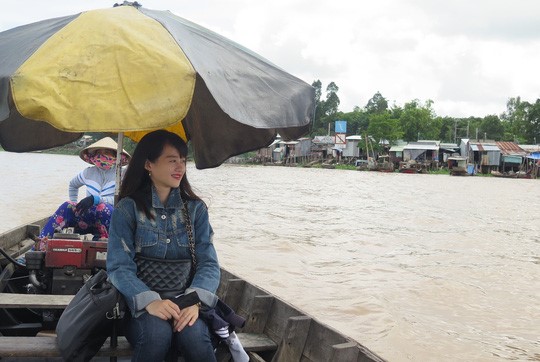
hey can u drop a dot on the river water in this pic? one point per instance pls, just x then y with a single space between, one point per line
414 267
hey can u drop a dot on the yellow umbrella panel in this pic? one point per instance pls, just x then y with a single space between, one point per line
130 69
106 79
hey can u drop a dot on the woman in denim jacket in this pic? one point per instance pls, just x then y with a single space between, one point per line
148 221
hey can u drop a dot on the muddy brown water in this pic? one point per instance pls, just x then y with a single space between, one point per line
414 267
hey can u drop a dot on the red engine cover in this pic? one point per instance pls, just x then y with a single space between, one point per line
77 253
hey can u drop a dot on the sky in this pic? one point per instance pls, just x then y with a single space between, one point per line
467 56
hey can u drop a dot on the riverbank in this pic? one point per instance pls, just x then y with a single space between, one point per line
74 148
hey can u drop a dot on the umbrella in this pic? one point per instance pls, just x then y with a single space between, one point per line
130 69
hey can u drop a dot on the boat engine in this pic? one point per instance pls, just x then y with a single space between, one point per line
68 261
66 264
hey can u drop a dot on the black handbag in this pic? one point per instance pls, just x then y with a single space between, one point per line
164 276
89 318
169 277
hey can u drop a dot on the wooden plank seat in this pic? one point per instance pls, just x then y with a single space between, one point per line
46 346
37 301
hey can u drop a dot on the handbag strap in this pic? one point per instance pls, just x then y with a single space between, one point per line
189 230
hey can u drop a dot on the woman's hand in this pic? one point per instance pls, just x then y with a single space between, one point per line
164 309
84 205
188 316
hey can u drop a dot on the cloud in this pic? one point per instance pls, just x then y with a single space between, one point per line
468 57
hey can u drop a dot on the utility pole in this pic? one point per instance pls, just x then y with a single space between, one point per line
455 131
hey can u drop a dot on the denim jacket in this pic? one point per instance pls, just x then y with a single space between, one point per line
164 237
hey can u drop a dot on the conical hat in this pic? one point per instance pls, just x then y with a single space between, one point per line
104 143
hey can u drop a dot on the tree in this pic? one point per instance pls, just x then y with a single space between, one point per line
318 106
318 90
514 120
492 128
532 126
331 105
326 110
383 127
357 121
448 129
417 121
377 104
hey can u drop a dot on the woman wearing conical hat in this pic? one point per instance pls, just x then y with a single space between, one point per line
92 214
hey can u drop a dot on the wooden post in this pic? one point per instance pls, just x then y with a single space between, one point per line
233 293
294 338
345 352
259 314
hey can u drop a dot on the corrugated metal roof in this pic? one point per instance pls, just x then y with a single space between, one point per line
530 148
484 147
323 139
452 147
491 148
448 145
397 148
421 147
510 148
426 142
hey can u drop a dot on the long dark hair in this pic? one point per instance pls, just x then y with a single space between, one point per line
137 183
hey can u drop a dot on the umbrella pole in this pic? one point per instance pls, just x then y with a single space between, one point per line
118 166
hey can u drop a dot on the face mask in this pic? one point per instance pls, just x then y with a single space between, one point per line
103 162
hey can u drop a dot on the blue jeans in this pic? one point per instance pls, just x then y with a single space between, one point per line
151 340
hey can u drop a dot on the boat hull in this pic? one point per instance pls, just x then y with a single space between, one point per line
266 314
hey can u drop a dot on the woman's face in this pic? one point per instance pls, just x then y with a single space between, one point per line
168 170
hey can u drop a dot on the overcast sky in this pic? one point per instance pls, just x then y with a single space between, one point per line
468 56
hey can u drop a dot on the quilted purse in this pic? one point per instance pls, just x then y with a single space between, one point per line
169 277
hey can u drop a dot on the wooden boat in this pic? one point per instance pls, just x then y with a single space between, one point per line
511 174
383 164
408 167
274 331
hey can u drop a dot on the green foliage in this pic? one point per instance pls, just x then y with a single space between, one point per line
492 128
447 129
377 104
383 127
327 110
515 118
526 121
340 166
533 126
357 121
417 120
440 171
